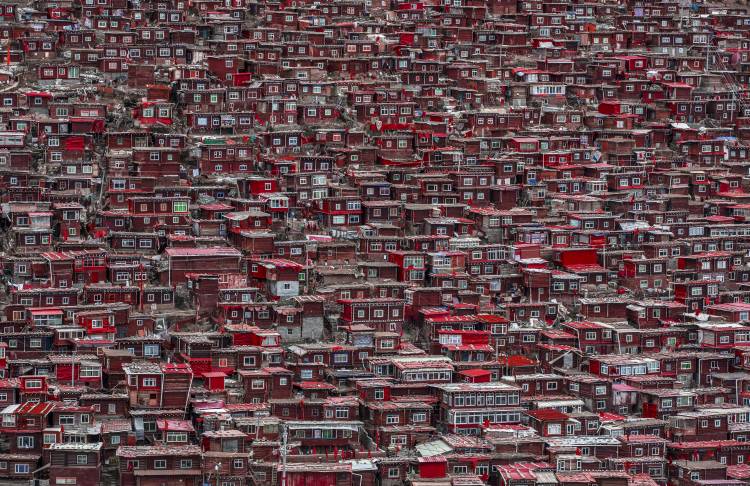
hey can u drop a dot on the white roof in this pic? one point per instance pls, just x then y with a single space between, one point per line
560 403
93 446
581 440
363 465
434 448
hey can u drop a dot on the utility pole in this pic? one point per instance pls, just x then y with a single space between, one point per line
284 438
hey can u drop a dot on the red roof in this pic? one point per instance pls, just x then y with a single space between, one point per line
475 372
676 85
214 374
610 417
45 311
547 414
584 325
730 307
739 471
315 385
30 408
431 459
175 425
517 360
707 444
203 252
278 263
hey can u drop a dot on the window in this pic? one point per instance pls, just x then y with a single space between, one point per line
66 420
160 464
25 442
33 383
22 469
90 372
177 437
82 459
342 413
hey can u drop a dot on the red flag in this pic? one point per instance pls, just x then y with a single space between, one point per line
7 57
